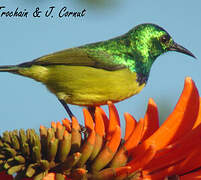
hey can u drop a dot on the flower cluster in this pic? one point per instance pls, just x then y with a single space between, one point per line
68 151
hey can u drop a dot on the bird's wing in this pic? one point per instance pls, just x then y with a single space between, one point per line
78 57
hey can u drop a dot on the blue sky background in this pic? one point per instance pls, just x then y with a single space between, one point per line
25 103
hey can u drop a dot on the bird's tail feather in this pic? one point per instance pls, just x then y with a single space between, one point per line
11 68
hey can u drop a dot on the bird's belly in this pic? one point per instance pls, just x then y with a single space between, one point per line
82 85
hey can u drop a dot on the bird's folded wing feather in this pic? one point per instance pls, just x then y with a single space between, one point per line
78 57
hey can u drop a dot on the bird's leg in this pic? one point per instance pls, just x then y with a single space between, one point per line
83 129
92 109
66 108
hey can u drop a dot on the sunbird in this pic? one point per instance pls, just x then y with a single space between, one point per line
110 70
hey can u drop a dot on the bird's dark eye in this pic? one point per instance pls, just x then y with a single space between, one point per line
165 39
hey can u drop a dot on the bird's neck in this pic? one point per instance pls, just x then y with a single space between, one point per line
142 67
138 55
142 53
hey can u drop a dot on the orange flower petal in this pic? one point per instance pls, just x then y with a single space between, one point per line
135 137
175 153
113 113
179 122
108 151
53 125
76 136
191 162
105 119
130 125
151 119
115 140
140 161
75 124
89 124
121 157
198 120
183 116
168 170
192 176
156 176
67 124
114 119
99 122
100 132
58 124
97 147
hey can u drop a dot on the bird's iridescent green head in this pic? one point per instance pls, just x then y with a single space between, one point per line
147 42
152 40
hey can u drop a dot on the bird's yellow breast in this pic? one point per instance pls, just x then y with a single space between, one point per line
82 85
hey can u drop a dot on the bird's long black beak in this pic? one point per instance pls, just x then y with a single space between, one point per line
181 49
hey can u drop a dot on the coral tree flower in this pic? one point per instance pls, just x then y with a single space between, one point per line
98 152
